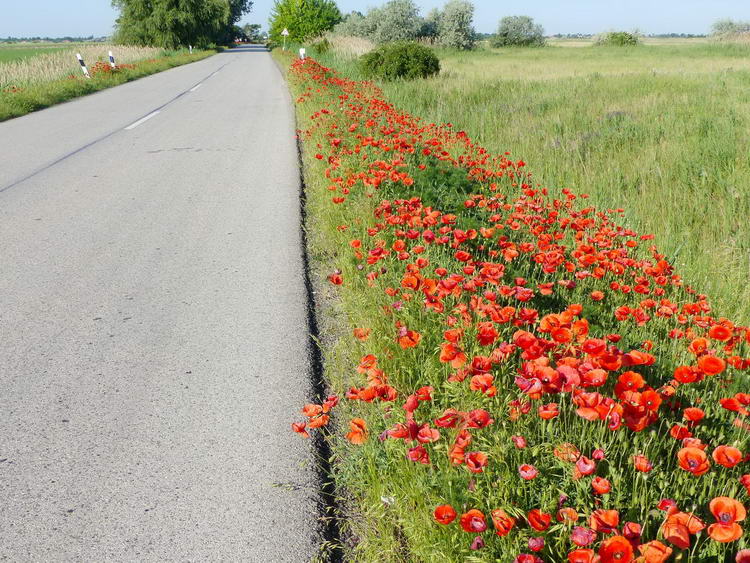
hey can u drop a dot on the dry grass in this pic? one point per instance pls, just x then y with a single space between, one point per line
349 47
61 63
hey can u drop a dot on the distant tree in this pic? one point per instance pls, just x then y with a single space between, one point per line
455 25
518 31
173 23
430 25
252 32
303 18
729 27
357 24
397 20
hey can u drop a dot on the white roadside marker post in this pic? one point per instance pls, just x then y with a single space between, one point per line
83 65
285 33
302 53
112 60
191 49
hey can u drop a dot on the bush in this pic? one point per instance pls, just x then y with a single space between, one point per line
454 25
400 60
617 39
518 31
303 18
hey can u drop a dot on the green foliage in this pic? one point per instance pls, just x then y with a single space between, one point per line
518 31
252 33
174 23
397 20
617 39
455 25
303 18
357 24
729 27
400 60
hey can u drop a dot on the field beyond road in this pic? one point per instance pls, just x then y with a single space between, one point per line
660 130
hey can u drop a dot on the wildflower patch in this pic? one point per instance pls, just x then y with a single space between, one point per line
534 380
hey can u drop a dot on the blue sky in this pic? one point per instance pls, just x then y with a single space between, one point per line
95 17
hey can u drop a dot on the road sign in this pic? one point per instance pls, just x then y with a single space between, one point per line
302 54
285 32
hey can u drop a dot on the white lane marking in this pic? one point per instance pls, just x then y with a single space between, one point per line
142 120
194 88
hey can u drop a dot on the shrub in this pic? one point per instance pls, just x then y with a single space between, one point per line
303 18
397 20
454 25
518 31
729 27
617 39
400 60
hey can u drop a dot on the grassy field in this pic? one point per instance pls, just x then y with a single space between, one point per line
661 130
10 53
32 79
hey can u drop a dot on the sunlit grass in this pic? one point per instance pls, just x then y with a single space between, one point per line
663 131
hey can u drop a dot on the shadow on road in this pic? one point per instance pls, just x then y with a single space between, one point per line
248 49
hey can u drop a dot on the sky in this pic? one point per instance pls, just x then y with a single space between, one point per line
55 18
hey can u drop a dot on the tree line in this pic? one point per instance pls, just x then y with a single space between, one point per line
176 23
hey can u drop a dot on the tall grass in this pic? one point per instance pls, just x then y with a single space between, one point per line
61 63
663 131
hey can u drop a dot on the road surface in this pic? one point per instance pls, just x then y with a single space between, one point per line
153 325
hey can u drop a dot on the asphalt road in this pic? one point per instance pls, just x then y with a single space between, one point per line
153 336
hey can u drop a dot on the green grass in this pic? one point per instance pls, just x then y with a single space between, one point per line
38 96
660 130
10 53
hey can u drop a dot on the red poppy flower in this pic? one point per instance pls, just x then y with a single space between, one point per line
583 556
444 514
539 520
616 549
642 463
549 411
604 521
476 461
727 512
745 481
711 365
679 526
299 427
502 522
358 431
601 485
566 514
693 414
473 522
727 456
693 460
527 471
655 552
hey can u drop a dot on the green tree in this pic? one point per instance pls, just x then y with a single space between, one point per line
397 20
430 26
303 18
455 25
518 31
729 27
173 23
252 32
